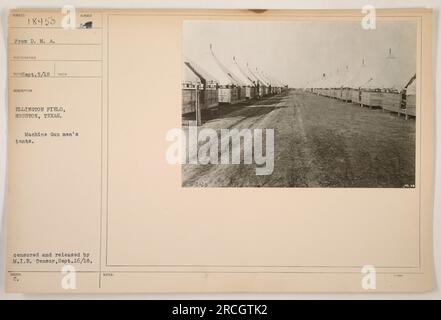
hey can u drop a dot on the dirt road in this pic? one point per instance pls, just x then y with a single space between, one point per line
319 142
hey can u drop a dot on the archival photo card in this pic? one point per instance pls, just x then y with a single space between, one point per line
219 151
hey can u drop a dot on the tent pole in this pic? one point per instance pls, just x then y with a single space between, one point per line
198 108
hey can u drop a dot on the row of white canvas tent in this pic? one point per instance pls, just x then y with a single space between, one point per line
389 84
212 82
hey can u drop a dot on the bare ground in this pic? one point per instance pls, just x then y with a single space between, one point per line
319 142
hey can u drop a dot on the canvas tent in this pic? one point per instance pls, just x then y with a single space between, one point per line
317 86
277 85
228 83
334 84
343 92
197 84
321 86
388 83
259 85
411 98
362 77
248 83
263 86
271 84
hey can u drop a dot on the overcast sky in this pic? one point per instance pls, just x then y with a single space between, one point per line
298 52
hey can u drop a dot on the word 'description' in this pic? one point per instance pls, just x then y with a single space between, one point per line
224 146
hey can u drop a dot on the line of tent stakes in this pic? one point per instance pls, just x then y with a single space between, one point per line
211 83
390 86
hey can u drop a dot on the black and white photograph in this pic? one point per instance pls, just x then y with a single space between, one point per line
323 104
